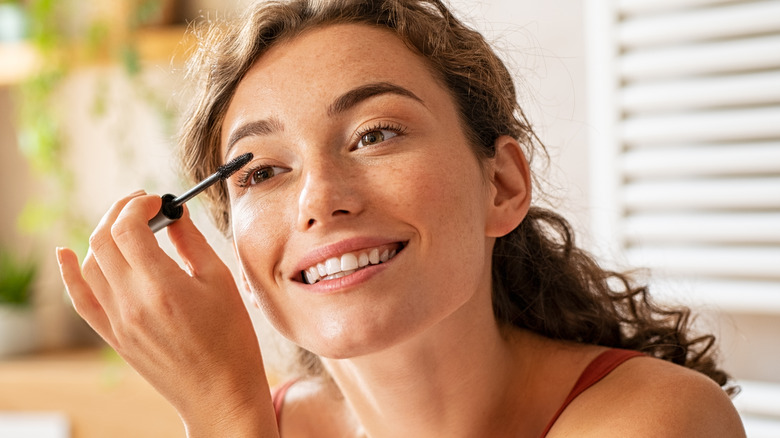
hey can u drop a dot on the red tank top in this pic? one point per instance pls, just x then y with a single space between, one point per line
596 370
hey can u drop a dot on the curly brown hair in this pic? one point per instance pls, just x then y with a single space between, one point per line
541 281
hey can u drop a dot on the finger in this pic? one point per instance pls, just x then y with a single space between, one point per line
80 293
136 241
104 249
101 289
193 247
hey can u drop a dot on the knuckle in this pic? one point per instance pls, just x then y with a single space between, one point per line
120 230
97 239
134 316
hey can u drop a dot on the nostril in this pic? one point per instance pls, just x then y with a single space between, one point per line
311 222
340 212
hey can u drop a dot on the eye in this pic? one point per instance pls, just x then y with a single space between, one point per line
376 135
258 175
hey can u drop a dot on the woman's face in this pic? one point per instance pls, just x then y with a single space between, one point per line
359 157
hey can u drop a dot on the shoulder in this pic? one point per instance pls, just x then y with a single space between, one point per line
312 408
651 397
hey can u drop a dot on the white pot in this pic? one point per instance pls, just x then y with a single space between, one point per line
18 331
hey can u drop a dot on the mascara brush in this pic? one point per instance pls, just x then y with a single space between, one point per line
171 208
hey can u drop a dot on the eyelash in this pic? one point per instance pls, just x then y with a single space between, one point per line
243 179
383 126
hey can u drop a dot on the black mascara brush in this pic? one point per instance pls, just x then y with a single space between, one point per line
172 209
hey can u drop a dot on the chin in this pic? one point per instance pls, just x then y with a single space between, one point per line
354 340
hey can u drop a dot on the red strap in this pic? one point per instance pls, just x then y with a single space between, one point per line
277 397
596 370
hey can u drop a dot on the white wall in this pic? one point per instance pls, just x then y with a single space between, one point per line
543 44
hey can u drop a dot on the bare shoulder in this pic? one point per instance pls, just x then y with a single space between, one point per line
314 408
651 397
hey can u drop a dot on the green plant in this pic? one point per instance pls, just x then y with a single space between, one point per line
16 280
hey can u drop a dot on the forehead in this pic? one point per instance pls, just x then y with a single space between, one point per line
306 72
351 50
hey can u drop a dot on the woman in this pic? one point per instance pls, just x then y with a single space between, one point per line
385 225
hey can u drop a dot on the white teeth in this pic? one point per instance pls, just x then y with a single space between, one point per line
312 275
348 262
337 267
339 274
332 265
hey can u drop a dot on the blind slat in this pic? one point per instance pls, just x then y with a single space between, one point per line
716 193
759 398
628 8
700 59
754 228
722 160
749 296
700 24
699 126
736 262
736 90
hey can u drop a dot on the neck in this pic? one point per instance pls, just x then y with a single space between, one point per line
459 378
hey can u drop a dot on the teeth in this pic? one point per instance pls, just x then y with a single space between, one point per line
337 267
363 260
333 265
349 262
340 274
312 275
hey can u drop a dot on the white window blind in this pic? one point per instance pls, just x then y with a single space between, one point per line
685 106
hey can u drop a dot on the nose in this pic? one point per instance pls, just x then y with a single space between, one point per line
329 193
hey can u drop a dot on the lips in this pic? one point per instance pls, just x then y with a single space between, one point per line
349 263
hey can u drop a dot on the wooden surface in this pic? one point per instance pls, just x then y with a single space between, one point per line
100 395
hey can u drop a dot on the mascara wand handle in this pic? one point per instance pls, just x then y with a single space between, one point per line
169 212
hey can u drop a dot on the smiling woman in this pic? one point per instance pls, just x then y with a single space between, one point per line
385 226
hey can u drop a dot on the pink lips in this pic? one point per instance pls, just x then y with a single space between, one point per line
333 252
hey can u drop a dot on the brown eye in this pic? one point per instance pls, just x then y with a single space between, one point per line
263 174
376 136
372 137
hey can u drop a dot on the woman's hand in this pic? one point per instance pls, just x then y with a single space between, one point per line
186 331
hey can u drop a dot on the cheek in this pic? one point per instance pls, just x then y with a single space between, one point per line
448 194
259 230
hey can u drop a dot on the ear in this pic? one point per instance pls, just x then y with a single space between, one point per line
510 179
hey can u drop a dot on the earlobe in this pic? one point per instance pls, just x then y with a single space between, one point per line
510 177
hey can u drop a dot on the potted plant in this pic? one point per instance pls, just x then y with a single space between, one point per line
18 332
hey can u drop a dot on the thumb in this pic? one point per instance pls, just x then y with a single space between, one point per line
192 246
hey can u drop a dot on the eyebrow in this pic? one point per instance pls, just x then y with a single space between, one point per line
342 103
257 127
367 91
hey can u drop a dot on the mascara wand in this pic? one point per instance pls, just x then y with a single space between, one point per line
172 209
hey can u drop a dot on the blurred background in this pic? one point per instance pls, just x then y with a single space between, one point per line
662 119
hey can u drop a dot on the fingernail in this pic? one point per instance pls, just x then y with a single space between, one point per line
58 251
138 193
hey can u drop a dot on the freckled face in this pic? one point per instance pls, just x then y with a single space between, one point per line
356 148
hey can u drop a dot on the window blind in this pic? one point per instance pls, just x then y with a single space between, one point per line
685 106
